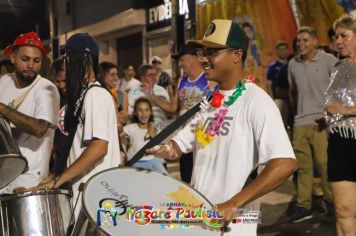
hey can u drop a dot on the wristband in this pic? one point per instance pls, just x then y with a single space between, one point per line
55 179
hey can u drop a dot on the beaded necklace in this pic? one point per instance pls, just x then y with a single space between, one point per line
206 136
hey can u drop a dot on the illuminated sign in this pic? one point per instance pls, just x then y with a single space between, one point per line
161 15
164 11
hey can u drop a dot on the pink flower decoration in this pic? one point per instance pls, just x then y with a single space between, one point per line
218 121
212 132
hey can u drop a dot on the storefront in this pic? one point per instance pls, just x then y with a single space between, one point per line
120 37
159 35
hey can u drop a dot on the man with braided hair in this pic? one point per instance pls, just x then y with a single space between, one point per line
90 116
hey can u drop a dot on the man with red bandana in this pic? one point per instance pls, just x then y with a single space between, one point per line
31 104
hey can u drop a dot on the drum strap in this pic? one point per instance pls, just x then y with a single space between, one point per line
15 103
166 132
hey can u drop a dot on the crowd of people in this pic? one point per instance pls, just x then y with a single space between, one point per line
85 118
315 92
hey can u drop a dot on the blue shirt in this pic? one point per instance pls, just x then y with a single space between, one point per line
190 91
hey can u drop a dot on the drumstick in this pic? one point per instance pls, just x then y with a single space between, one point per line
166 132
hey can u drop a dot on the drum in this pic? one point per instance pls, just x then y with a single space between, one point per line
45 212
12 163
128 201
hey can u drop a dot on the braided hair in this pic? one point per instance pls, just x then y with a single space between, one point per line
77 68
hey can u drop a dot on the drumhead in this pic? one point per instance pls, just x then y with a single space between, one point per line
7 197
115 192
11 166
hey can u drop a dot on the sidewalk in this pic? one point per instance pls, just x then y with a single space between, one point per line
275 220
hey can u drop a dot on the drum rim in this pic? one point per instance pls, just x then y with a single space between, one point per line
10 156
9 197
133 168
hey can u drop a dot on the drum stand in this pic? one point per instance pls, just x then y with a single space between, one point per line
74 230
82 224
2 227
78 223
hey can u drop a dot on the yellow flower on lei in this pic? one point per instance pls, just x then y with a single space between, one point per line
203 137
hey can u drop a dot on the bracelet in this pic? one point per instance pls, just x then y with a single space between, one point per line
55 179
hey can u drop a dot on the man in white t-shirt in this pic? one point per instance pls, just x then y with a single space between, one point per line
95 146
33 118
149 88
128 82
227 148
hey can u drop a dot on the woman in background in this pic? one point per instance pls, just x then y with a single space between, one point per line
341 119
110 73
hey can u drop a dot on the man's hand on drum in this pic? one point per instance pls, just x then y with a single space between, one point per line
47 183
19 190
227 208
122 159
168 151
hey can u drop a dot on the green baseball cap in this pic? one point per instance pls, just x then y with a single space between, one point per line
223 34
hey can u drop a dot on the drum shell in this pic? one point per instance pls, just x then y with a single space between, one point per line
46 212
12 163
7 144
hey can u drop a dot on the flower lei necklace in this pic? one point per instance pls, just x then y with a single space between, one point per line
206 136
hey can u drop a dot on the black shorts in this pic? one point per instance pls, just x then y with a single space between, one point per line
341 158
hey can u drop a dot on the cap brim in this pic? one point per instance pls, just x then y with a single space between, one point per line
208 44
8 49
179 55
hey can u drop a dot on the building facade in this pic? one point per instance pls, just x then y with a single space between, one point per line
128 32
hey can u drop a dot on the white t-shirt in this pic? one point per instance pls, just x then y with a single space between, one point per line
125 86
252 134
42 102
99 122
158 114
138 138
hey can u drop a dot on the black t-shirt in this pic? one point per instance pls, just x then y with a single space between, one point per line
282 77
61 138
278 74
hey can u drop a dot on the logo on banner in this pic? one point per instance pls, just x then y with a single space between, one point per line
244 216
177 213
